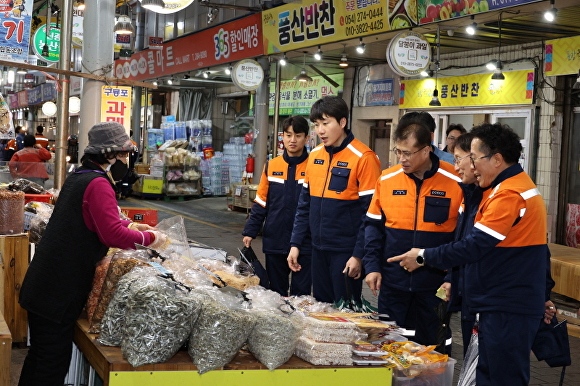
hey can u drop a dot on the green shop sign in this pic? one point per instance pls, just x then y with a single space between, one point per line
40 40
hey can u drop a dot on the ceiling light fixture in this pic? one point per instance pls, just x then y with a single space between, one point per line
123 25
170 81
229 70
471 28
343 60
361 47
435 100
21 71
427 73
153 5
303 76
154 83
81 5
491 65
206 74
318 54
498 74
550 14
283 61
186 76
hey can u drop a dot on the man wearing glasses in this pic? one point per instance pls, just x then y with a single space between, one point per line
415 204
506 274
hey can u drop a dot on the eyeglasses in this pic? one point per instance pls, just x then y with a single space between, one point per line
406 154
456 161
478 158
451 138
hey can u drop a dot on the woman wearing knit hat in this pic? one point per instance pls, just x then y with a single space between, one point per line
85 223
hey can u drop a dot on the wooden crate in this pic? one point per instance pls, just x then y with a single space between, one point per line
5 352
14 250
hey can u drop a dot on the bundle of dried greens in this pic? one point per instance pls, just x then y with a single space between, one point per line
158 321
113 321
218 335
121 263
273 338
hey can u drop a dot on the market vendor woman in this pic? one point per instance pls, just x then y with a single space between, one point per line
85 223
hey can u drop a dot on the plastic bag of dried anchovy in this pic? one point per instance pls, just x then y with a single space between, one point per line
122 262
114 319
218 334
158 321
274 338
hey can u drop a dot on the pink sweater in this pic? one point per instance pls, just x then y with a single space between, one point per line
101 215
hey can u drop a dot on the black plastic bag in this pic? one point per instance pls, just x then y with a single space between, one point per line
552 344
259 270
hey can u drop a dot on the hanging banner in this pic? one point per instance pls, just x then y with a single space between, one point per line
48 91
34 95
307 23
429 11
409 53
116 105
379 92
470 90
53 41
296 98
236 40
562 56
15 30
6 125
77 28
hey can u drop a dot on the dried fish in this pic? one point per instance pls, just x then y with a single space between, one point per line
218 335
273 338
158 321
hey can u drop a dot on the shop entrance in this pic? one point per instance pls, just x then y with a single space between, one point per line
520 120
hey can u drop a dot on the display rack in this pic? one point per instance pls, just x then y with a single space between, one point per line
181 187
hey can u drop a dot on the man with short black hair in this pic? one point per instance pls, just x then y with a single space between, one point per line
40 138
29 162
507 261
426 119
415 204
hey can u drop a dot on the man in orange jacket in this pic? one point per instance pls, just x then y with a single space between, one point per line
29 162
40 138
10 149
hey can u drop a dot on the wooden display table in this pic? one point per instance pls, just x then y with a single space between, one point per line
5 352
244 369
566 270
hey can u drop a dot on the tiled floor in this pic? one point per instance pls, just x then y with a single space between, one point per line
208 221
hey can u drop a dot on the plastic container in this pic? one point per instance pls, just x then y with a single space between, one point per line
436 374
27 219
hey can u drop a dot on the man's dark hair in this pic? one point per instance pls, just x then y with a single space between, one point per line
29 140
17 129
419 130
331 106
298 123
455 126
463 142
498 138
39 129
421 117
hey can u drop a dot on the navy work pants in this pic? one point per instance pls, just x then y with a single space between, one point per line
414 311
278 272
50 352
505 342
328 282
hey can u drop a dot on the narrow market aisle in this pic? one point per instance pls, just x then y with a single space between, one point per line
209 221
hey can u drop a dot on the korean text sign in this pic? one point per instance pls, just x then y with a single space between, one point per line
236 40
15 29
116 105
562 56
296 98
307 23
470 90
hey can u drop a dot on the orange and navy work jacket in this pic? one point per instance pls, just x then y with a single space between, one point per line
406 212
339 184
275 204
42 140
506 256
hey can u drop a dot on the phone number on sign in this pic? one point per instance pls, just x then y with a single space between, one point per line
363 22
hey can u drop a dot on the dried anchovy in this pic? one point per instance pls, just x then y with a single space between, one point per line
120 265
218 335
114 319
273 338
159 320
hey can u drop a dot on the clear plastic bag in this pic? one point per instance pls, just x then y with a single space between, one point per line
218 335
274 338
178 247
11 212
469 366
326 354
113 321
159 319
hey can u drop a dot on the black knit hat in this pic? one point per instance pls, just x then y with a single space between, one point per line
107 137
